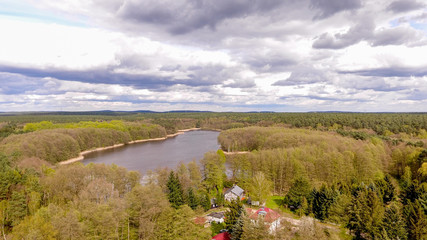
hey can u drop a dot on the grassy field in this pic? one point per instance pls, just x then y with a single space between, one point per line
274 202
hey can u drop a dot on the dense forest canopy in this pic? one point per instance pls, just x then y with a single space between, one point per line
365 172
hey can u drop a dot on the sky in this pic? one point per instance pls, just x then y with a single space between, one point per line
213 55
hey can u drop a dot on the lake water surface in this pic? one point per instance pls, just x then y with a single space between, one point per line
169 153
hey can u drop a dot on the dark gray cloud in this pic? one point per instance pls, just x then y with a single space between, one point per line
397 36
199 76
365 31
327 8
370 83
182 16
13 84
274 62
405 6
323 98
390 72
361 31
416 95
104 75
303 75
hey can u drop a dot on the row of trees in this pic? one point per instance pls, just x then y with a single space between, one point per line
58 144
283 155
381 123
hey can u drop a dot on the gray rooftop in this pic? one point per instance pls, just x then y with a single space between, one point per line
236 190
216 214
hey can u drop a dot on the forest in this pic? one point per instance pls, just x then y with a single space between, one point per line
340 175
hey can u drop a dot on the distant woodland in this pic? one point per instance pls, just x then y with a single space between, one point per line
360 175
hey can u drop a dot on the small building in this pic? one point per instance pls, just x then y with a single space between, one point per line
271 218
202 221
234 193
217 217
222 236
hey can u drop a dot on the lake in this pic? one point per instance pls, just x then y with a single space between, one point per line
169 153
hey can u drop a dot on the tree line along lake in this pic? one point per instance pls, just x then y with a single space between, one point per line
186 147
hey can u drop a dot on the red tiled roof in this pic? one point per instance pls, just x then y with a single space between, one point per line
200 220
222 236
249 211
270 215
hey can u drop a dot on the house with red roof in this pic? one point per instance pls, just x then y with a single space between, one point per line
222 236
270 217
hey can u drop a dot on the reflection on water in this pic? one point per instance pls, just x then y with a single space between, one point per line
151 155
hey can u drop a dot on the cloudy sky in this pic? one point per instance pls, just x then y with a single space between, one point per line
216 55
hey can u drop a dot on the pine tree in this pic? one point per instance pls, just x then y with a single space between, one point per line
233 214
237 229
300 188
193 202
175 195
322 200
385 189
366 214
393 224
206 202
410 193
17 207
416 220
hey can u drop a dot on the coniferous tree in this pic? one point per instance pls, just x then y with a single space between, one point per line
300 189
193 202
385 188
366 214
206 202
237 229
17 207
175 194
393 224
410 193
322 200
233 214
416 220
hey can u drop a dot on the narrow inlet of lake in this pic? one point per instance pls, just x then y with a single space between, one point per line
169 153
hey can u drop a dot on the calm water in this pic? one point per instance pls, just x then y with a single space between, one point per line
151 155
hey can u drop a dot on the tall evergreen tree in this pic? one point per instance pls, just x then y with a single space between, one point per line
237 229
385 188
233 214
410 193
175 194
206 202
393 224
17 207
322 200
366 214
416 220
300 189
192 200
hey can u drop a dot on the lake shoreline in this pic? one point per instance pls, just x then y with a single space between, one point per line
81 155
236 153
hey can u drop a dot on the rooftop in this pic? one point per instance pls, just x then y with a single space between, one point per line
269 215
236 190
222 236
